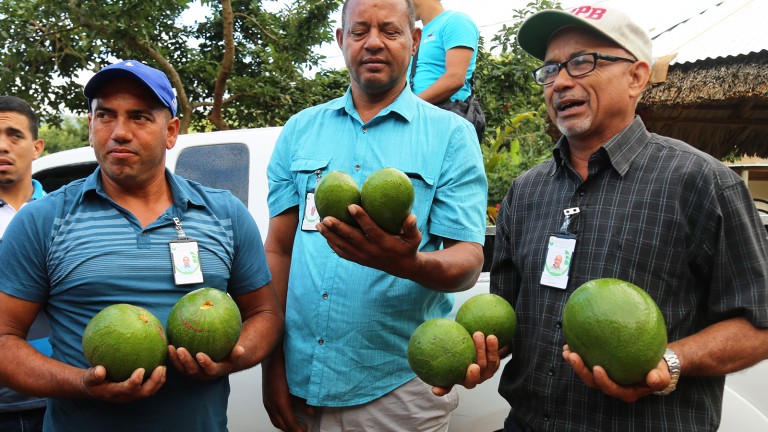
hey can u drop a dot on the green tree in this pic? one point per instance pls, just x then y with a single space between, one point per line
71 133
516 137
240 67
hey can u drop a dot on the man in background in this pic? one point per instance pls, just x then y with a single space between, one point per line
19 146
442 70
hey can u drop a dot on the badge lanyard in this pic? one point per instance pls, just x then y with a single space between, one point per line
311 217
185 258
560 250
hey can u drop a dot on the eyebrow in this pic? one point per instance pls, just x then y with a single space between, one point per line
570 56
100 107
12 130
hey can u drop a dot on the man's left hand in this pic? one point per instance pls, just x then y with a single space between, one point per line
487 363
656 379
200 366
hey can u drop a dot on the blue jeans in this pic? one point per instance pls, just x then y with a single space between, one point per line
22 421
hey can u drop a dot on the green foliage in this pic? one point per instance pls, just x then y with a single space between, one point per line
49 43
516 138
71 133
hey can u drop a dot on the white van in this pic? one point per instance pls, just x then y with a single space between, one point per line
237 160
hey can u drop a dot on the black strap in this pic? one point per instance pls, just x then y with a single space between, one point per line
413 66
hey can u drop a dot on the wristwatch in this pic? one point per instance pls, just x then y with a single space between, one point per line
673 363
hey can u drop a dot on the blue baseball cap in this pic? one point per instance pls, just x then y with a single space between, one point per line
151 77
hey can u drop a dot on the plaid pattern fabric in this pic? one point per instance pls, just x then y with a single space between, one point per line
655 212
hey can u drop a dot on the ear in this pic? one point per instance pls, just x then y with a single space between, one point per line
173 127
90 129
416 40
639 74
39 146
340 37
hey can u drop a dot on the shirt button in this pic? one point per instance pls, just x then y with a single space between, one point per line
546 417
325 296
320 342
559 324
357 167
365 129
551 372
143 233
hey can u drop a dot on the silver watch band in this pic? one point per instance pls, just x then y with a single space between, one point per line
673 363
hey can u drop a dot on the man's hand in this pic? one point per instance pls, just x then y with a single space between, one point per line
487 363
96 385
656 379
370 245
201 367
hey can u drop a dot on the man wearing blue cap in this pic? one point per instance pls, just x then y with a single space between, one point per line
59 256
632 205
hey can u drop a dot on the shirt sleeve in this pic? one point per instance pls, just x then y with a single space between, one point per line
282 190
740 261
23 253
460 31
249 265
461 195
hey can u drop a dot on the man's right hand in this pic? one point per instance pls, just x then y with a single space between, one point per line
96 385
277 398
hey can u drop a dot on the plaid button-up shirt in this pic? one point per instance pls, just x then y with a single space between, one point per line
656 212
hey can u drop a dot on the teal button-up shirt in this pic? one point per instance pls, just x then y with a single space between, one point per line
348 326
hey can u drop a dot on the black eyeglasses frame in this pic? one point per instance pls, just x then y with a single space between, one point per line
564 65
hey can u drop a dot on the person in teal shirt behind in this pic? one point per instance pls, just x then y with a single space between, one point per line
353 296
446 61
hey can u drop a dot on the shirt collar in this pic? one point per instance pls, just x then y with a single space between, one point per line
404 105
37 192
621 149
184 196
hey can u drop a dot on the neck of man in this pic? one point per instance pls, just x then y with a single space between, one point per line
368 105
145 201
17 193
430 11
581 147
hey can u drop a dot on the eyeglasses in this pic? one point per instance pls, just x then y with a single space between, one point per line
577 66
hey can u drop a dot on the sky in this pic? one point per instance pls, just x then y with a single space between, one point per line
491 15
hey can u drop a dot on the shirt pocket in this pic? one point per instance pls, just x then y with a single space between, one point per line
306 174
424 193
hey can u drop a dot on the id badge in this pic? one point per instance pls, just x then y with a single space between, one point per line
558 262
311 217
185 257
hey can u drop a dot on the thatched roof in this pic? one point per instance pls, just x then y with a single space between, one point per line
715 92
717 105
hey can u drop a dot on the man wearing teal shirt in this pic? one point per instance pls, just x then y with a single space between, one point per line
354 296
19 146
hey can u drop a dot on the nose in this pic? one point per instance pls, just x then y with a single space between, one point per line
4 143
373 42
122 131
562 80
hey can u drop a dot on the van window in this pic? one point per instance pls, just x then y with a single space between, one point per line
56 177
220 166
